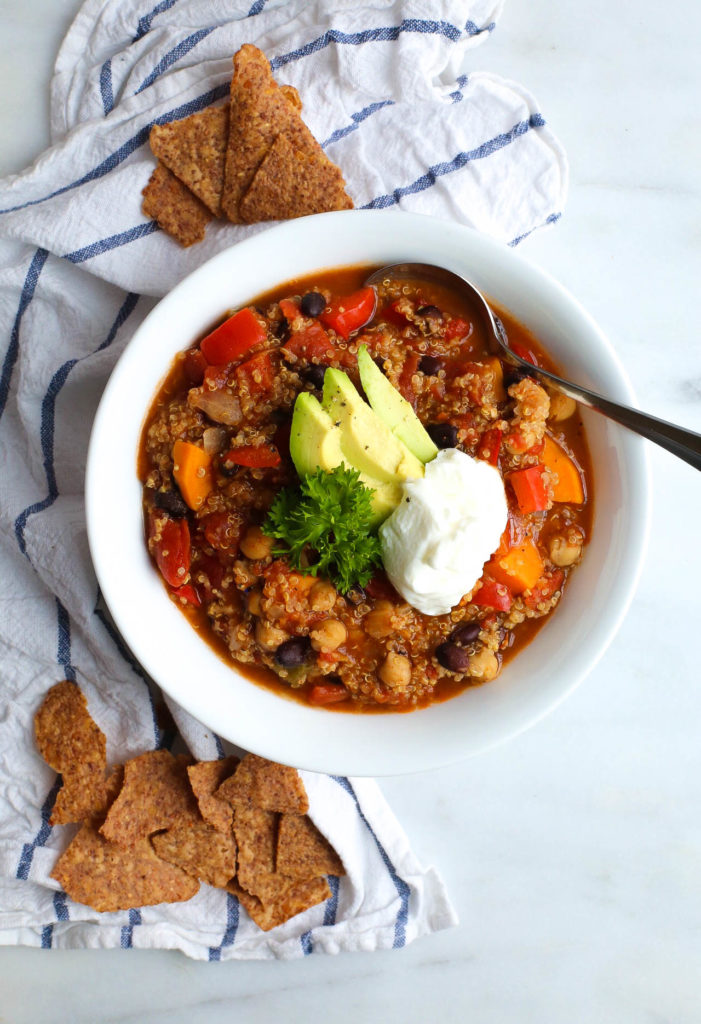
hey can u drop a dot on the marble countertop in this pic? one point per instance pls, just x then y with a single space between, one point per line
572 854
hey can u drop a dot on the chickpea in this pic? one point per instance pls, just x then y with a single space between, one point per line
322 596
378 623
484 665
255 544
395 671
566 549
253 602
328 635
561 407
270 637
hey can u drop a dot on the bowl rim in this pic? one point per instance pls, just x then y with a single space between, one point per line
354 750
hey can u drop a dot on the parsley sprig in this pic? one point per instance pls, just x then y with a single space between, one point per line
331 515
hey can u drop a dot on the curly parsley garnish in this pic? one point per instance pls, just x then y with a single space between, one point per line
331 515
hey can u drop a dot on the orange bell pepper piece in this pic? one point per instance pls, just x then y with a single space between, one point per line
192 471
569 485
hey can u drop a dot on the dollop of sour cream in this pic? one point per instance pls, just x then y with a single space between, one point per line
447 525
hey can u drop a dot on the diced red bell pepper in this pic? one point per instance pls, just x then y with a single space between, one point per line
405 386
349 312
186 595
492 595
223 530
233 339
257 373
544 588
489 446
394 315
529 488
262 456
310 342
194 366
169 543
208 573
327 693
289 309
457 328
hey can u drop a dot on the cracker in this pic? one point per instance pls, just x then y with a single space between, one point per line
265 784
155 794
256 838
105 876
194 150
294 179
302 851
177 210
259 112
300 897
199 849
71 743
205 778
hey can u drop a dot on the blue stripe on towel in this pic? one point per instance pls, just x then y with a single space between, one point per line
106 87
473 30
43 833
256 8
357 119
330 911
60 906
400 885
88 252
549 220
63 652
459 161
47 934
232 924
127 934
174 55
26 296
144 25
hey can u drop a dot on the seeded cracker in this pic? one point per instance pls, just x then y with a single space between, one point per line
295 900
302 851
256 837
194 150
71 743
199 849
264 784
177 210
205 778
293 180
155 794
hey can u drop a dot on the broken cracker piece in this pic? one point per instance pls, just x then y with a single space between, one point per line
194 150
265 784
107 877
205 778
155 794
71 743
300 897
177 210
199 849
293 180
302 851
256 838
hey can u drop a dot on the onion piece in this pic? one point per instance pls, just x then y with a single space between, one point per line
221 405
214 439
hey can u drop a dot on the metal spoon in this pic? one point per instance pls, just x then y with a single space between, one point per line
686 444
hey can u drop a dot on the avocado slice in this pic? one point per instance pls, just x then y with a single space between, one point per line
391 407
315 442
366 440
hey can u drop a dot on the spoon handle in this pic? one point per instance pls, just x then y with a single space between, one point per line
686 444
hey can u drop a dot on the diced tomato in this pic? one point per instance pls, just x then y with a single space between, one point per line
208 572
233 339
394 315
289 309
327 693
262 456
310 342
194 366
529 488
489 446
380 589
186 595
456 328
406 389
492 595
256 373
524 352
169 543
224 530
544 588
349 312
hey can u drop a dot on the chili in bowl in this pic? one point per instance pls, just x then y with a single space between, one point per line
279 634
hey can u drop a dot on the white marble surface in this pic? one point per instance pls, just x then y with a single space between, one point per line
573 854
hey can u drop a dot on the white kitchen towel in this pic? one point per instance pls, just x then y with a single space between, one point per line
386 90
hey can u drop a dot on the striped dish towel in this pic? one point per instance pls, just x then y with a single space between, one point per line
384 89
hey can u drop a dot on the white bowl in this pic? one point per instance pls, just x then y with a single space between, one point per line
549 668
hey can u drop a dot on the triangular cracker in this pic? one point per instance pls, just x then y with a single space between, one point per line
194 150
265 784
172 204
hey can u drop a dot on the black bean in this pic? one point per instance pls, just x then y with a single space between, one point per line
429 311
430 365
443 435
313 373
172 503
466 633
453 657
312 304
293 652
